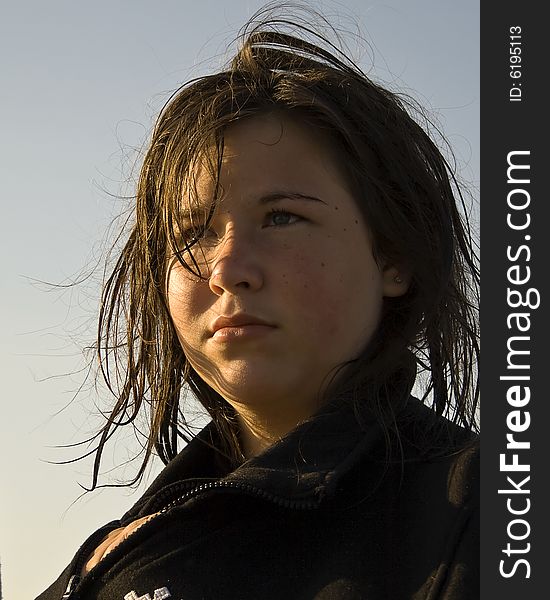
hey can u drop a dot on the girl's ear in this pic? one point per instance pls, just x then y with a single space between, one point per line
395 281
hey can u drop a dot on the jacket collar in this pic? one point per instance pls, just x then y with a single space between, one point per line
311 459
306 465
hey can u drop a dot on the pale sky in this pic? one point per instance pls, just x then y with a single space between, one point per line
81 85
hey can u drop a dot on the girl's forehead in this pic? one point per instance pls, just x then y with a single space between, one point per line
260 145
274 129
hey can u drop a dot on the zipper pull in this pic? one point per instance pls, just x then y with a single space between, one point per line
73 582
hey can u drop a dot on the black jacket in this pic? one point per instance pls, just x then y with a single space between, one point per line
326 513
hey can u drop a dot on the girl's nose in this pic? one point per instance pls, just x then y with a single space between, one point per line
236 266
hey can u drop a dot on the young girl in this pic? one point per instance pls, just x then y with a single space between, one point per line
297 258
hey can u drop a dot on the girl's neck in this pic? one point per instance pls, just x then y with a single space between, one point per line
259 432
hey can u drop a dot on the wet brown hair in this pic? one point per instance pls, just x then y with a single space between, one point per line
401 181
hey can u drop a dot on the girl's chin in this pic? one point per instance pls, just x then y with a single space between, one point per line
248 379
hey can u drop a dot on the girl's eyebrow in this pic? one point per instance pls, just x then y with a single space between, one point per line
198 213
285 195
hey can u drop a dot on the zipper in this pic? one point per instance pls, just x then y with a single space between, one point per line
236 486
192 492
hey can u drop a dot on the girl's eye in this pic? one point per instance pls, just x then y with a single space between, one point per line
192 236
278 218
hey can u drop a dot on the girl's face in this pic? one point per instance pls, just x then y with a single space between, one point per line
294 290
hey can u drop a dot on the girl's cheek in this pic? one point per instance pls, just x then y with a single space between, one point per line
184 289
316 294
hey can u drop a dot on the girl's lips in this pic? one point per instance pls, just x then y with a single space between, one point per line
238 321
239 327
